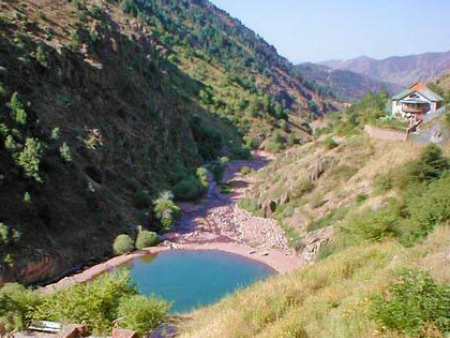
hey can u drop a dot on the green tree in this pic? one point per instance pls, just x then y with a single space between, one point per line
18 111
30 158
166 210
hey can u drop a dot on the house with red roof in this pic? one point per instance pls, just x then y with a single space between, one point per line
417 103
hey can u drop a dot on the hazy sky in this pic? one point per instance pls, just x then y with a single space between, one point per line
318 30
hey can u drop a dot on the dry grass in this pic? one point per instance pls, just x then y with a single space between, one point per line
337 176
328 299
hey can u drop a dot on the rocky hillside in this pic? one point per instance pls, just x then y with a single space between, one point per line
345 84
105 104
400 70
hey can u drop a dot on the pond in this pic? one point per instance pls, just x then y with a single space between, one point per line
190 279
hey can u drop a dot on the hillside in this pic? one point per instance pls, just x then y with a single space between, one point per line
106 104
345 84
400 70
376 213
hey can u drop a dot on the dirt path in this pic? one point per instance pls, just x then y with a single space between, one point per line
216 223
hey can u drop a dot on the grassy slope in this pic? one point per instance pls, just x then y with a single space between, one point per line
330 298
344 173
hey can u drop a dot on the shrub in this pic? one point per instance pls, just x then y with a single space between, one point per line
276 142
217 169
431 166
189 188
64 152
383 182
330 143
55 133
413 303
16 307
146 239
250 205
245 170
123 244
99 313
141 313
19 114
361 198
373 225
30 158
41 57
27 198
303 187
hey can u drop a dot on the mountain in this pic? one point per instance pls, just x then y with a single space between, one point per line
400 70
105 104
345 84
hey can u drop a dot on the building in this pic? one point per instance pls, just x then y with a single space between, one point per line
418 102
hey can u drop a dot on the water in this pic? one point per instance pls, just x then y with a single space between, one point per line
190 279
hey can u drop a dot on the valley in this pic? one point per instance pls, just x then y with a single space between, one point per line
165 172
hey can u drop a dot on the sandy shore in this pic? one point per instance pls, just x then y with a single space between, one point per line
215 223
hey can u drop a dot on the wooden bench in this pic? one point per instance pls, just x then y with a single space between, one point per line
45 326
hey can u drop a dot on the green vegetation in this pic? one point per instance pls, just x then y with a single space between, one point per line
123 244
65 153
146 239
425 192
166 210
336 297
192 187
142 314
110 298
414 304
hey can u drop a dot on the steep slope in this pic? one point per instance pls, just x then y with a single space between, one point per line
400 70
379 227
105 104
345 84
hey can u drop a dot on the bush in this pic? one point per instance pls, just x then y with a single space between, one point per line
142 314
19 114
330 143
413 304
373 225
276 142
16 307
431 166
146 239
123 244
250 205
383 182
94 304
191 188
217 169
245 170
65 153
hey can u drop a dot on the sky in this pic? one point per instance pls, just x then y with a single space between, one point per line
319 30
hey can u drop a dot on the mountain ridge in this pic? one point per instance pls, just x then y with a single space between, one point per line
400 70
